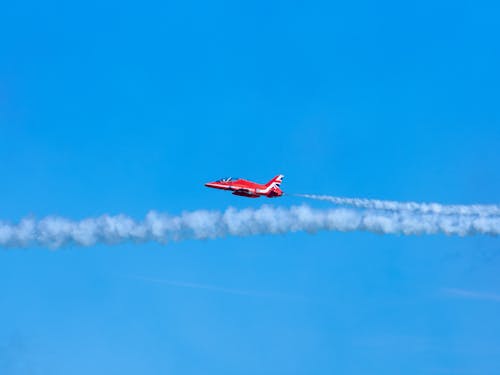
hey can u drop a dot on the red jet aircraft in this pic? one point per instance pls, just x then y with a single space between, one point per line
249 189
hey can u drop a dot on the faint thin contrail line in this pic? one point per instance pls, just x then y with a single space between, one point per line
212 288
471 294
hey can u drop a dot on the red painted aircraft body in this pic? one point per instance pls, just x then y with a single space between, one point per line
249 189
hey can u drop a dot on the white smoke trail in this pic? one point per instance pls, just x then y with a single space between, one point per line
421 208
55 232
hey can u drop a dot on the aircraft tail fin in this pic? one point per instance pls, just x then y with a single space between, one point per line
276 181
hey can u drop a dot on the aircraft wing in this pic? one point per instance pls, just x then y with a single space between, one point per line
245 193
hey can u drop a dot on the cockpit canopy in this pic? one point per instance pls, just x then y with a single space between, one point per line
227 179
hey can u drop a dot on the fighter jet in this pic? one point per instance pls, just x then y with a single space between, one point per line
249 189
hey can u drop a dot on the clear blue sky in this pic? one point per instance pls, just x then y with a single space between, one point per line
121 107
